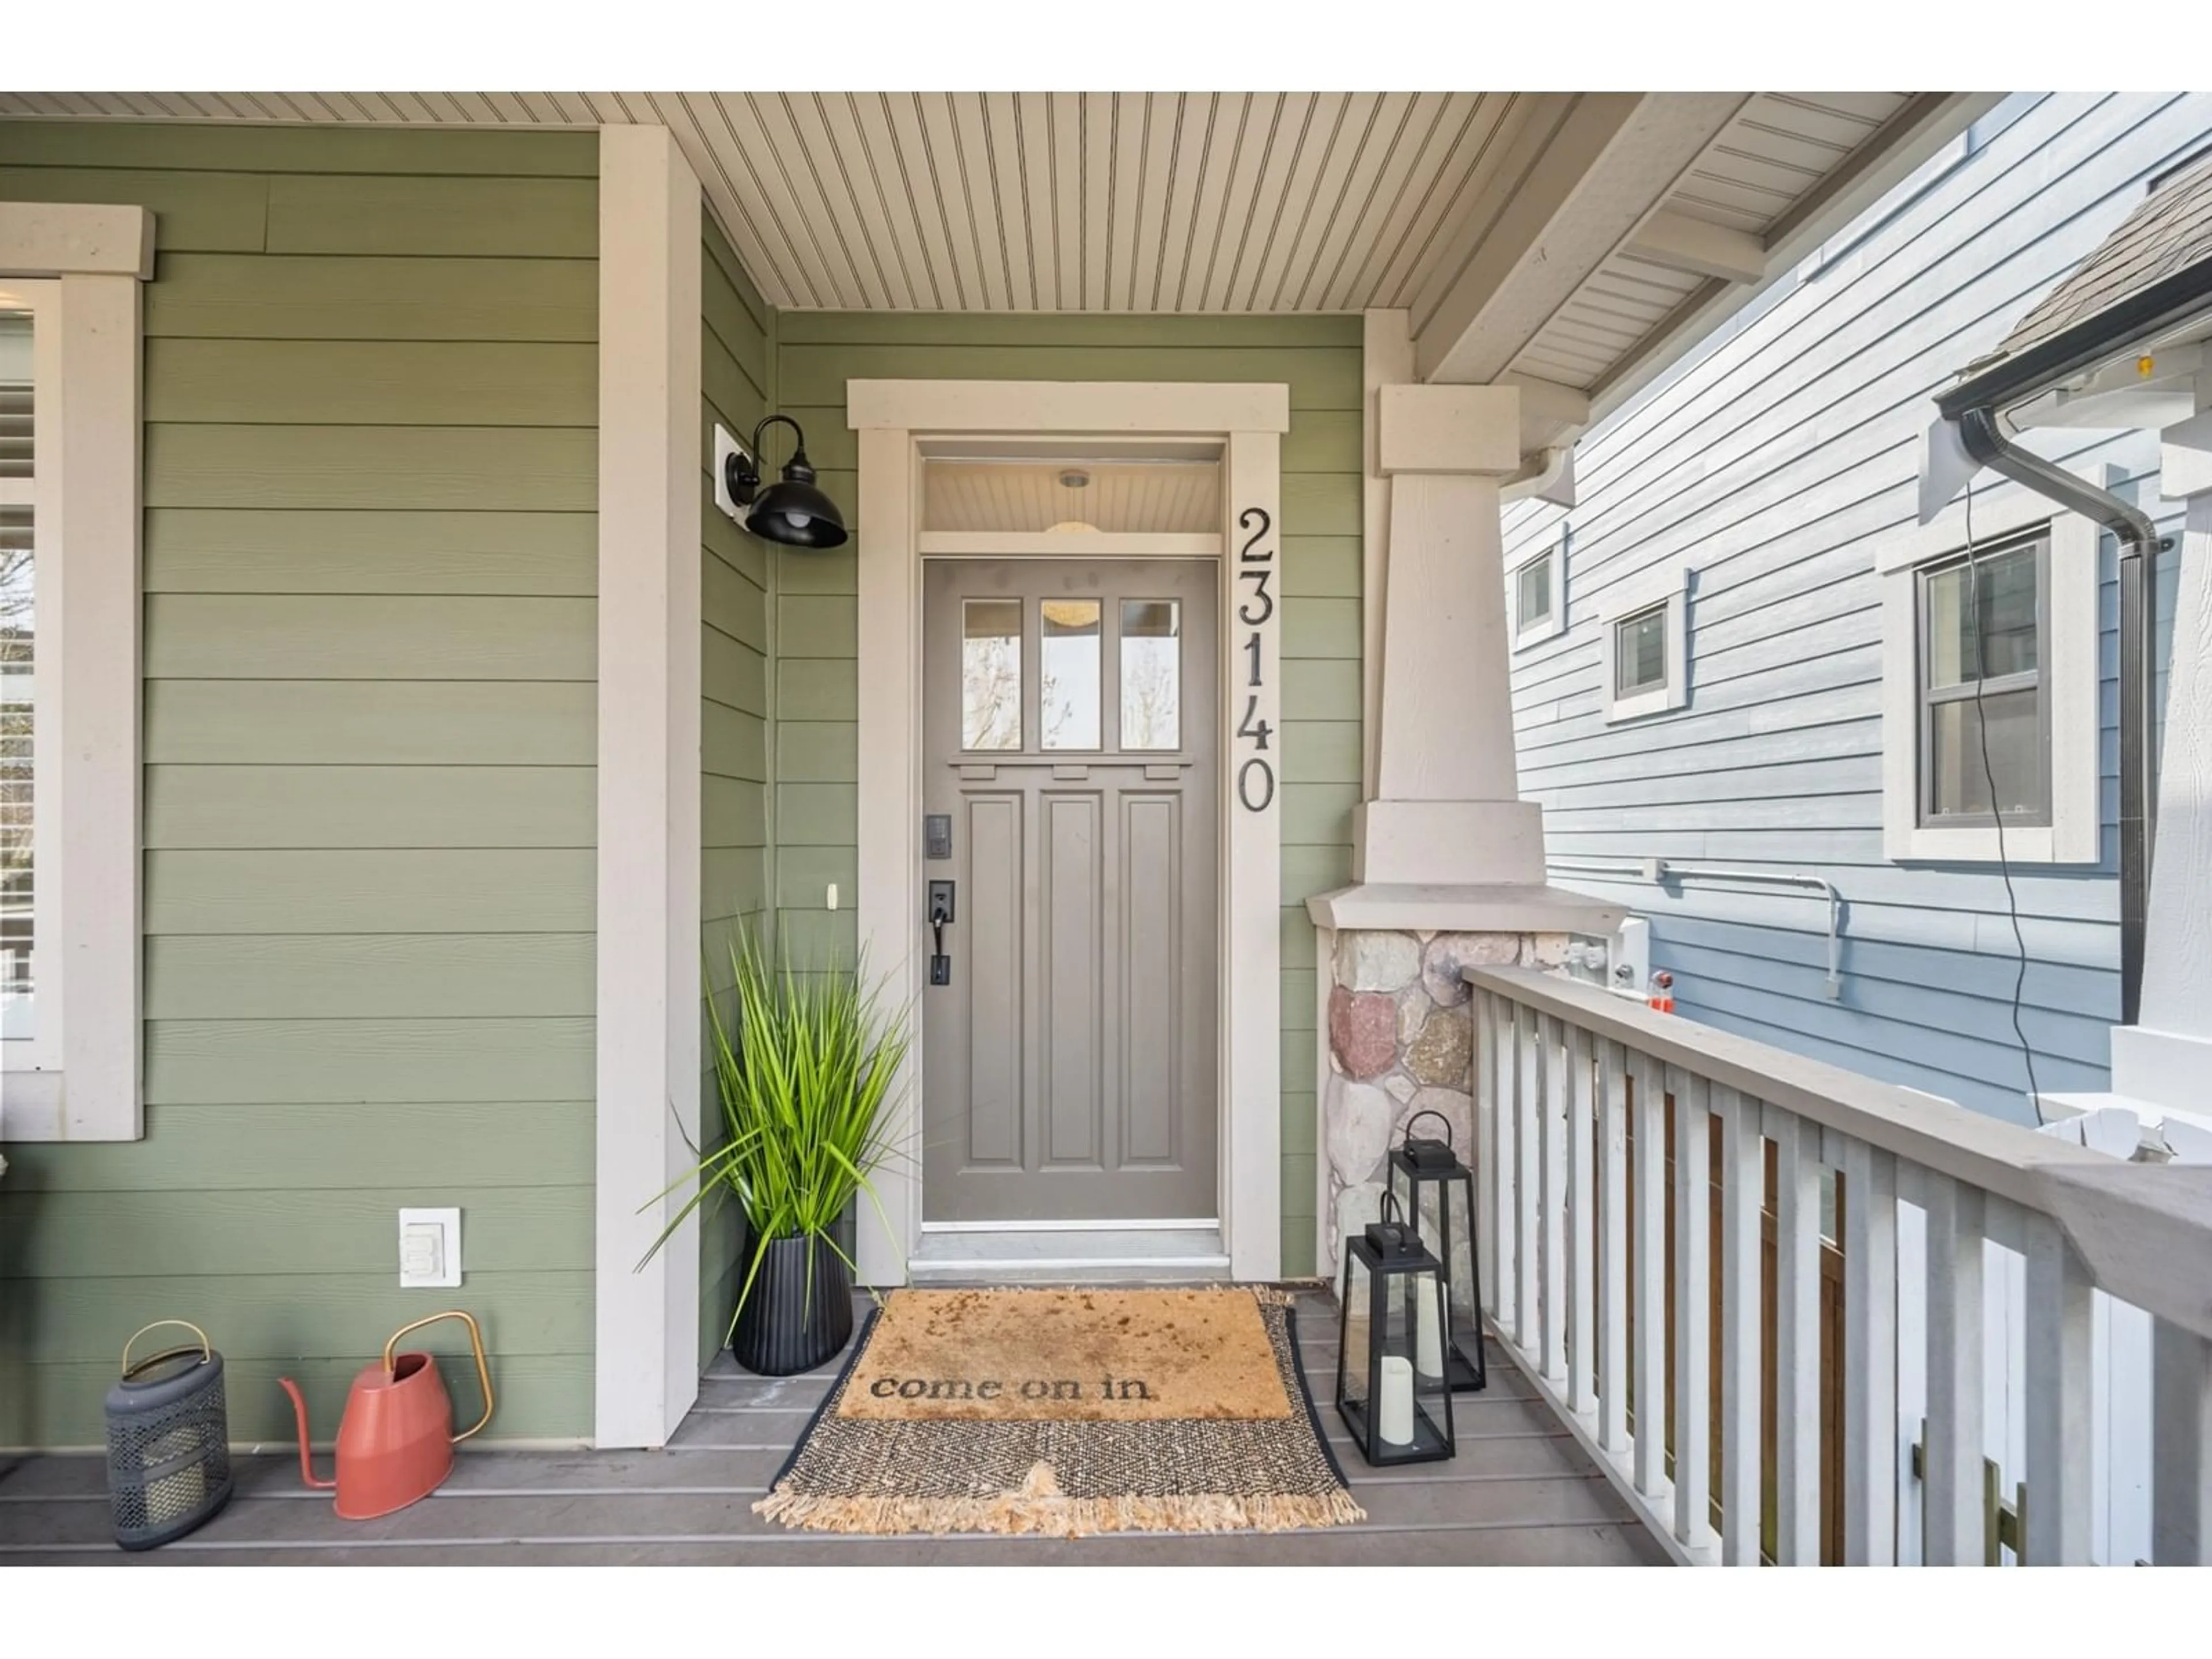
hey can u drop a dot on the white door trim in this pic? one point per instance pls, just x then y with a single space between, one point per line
892 418
646 1334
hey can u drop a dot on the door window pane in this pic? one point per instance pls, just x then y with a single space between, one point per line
991 674
1068 673
1959 785
1639 652
1151 674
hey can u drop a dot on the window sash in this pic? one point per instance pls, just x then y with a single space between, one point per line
1928 698
40 1049
1624 655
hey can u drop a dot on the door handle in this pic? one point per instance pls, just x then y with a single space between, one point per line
940 916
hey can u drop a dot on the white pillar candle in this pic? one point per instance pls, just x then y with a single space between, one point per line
1428 1339
1395 1421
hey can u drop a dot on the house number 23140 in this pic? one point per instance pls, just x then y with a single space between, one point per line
1255 566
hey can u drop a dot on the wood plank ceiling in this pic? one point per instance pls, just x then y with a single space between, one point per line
1216 203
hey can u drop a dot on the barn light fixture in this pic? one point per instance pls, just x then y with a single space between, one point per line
792 510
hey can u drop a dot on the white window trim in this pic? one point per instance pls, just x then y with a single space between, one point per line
1553 622
82 266
2070 681
1669 586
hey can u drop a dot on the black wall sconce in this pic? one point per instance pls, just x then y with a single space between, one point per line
792 510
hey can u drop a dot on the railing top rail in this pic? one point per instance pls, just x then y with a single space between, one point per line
2145 1231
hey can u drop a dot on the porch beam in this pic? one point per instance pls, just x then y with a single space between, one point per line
1590 166
1914 134
1698 247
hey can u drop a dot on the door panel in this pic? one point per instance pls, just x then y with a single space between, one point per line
990 924
1070 1059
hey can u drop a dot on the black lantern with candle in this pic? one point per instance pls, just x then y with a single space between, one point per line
1435 1192
1393 1293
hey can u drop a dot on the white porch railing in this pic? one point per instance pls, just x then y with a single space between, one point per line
1599 1275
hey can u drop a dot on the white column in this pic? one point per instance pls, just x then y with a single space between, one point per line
1447 806
646 1321
2164 1057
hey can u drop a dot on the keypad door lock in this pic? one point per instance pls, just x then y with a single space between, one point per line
940 917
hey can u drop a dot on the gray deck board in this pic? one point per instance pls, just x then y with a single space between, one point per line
1519 1492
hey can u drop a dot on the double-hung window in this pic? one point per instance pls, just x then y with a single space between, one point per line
1990 684
70 492
1985 740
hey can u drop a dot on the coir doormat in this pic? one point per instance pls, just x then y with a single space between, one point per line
1066 1412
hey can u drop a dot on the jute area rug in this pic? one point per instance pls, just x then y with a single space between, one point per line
1067 1412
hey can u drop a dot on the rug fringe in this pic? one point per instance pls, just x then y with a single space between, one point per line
1020 1514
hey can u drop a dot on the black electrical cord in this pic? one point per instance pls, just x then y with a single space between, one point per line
1996 810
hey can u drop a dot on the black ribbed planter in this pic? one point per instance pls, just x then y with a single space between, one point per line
796 1315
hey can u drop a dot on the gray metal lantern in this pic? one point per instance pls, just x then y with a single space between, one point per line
1435 1192
168 1442
1392 1309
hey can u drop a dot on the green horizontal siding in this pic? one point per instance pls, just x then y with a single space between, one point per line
817 680
370 650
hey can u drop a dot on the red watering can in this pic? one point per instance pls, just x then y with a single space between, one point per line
396 1441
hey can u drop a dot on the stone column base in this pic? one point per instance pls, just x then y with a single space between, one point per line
1402 1042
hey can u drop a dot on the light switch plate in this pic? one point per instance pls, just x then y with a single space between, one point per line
429 1248
725 445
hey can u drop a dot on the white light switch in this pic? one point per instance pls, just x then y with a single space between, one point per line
429 1247
833 895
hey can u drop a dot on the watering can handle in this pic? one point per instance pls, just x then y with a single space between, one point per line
476 1341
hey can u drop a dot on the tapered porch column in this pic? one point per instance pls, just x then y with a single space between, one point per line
1447 805
1448 860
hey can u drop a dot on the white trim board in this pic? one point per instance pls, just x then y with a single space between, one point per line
87 491
645 1344
2069 681
892 417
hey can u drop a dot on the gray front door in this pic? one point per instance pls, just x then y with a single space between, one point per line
1070 774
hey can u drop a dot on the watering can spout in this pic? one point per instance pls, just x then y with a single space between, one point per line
299 1415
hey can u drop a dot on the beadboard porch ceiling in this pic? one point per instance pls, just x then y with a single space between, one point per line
1580 238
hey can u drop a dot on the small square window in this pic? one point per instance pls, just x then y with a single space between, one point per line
1646 646
1538 614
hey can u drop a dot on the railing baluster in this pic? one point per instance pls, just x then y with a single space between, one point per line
1869 1365
1693 1309
1649 1342
1612 1249
2060 1309
1483 1028
2181 1431
1527 1252
1796 1339
1581 1227
1955 1533
1504 1056
1743 1193
1552 1220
